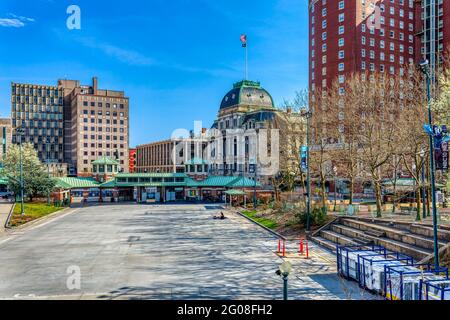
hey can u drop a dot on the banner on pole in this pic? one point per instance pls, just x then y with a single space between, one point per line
304 158
441 152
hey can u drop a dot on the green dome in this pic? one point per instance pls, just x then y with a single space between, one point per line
247 93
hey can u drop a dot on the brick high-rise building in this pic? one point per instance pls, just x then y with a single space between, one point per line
433 31
348 36
72 123
96 125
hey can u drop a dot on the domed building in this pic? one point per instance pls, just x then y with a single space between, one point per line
241 135
246 97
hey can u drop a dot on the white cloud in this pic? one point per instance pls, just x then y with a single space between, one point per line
11 23
15 21
124 55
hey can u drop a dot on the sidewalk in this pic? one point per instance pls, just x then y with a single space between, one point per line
4 212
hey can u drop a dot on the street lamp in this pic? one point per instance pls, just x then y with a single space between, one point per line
252 169
425 68
335 174
283 271
424 210
47 147
414 167
20 132
308 115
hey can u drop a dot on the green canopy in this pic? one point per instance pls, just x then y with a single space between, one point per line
105 161
73 183
234 192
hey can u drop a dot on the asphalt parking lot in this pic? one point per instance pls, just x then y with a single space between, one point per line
158 252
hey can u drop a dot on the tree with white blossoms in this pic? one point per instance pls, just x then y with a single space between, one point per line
35 178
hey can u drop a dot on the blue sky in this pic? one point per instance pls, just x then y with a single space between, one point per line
174 59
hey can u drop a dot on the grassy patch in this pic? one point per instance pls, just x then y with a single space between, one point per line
268 223
33 211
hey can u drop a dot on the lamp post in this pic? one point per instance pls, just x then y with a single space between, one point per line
414 168
424 210
425 68
252 169
20 133
308 114
335 200
47 147
283 271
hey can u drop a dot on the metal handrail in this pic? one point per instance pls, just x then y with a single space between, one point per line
8 220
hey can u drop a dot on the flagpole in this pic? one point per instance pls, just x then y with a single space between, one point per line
246 61
245 45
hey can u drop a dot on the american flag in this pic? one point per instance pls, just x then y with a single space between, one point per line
244 40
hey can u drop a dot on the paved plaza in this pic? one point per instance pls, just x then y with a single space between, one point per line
158 252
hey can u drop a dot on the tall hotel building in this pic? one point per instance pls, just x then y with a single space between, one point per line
349 36
72 123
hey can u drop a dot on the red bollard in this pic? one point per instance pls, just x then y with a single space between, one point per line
301 246
279 246
284 248
307 250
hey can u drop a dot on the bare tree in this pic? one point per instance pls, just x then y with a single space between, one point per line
323 139
376 98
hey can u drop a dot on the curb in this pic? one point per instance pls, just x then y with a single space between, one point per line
41 219
262 226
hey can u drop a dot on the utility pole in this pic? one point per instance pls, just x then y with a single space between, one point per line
425 68
335 186
48 167
424 209
20 132
308 114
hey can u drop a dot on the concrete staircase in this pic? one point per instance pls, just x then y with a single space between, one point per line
415 240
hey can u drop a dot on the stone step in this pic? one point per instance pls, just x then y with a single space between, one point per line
330 245
350 232
391 233
408 249
337 238
427 231
402 236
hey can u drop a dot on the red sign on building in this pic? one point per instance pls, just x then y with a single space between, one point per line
132 163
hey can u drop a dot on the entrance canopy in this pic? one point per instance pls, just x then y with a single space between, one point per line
235 192
180 180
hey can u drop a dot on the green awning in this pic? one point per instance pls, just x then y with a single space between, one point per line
224 182
105 161
235 192
73 183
